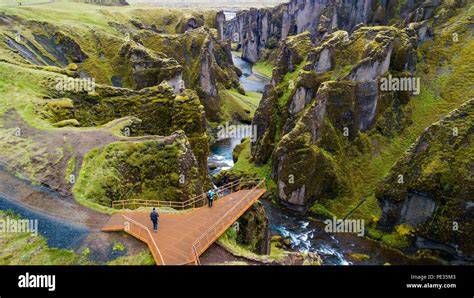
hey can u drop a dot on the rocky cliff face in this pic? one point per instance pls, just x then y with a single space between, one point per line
259 29
322 96
430 188
334 131
160 111
137 55
205 60
254 230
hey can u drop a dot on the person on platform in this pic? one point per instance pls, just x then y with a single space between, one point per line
154 216
210 197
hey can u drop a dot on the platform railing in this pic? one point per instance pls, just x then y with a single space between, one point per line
143 233
221 225
194 202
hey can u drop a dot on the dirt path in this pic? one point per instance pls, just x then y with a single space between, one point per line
39 200
54 198
73 143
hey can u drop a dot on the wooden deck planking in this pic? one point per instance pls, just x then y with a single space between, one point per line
177 232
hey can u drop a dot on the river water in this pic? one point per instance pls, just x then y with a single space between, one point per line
250 81
306 235
221 151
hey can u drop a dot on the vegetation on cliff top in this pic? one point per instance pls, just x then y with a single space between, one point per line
150 170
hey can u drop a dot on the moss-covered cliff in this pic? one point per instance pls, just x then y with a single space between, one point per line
134 48
324 98
331 133
162 169
430 187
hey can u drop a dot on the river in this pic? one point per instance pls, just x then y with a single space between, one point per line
221 151
306 235
249 80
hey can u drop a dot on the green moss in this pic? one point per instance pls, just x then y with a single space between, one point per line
245 143
118 247
24 249
244 164
318 208
71 165
359 257
288 84
264 68
374 233
229 241
395 240
436 99
147 170
253 229
236 106
69 122
143 258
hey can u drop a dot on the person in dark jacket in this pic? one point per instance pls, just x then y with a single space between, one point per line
154 219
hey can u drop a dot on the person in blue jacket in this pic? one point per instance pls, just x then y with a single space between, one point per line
210 197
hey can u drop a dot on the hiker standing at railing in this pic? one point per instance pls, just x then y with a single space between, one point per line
154 219
210 197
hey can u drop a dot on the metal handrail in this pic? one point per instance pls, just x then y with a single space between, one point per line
212 229
192 202
139 236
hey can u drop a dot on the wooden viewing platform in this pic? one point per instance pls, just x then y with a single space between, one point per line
183 237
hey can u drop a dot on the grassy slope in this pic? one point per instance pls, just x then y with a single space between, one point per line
27 90
24 249
264 68
77 14
244 105
245 165
23 2
23 92
92 27
228 240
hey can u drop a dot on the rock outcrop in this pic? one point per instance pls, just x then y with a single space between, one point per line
160 110
431 188
257 29
254 230
150 68
136 55
205 60
321 98
253 226
150 169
